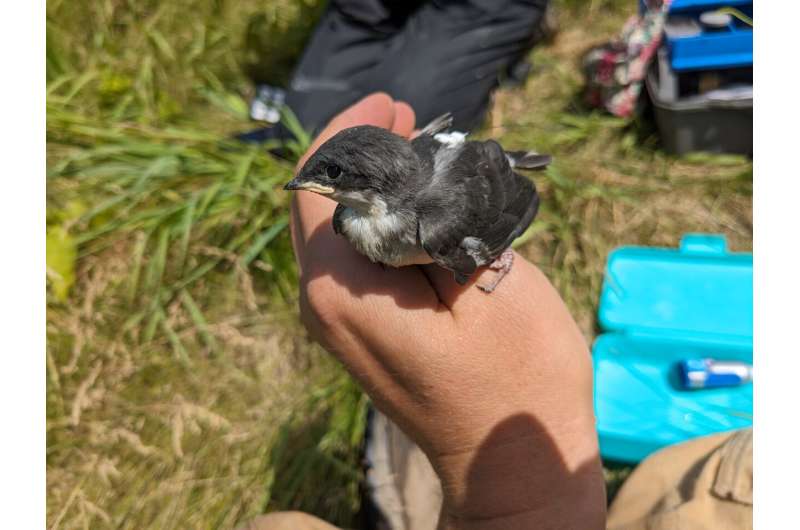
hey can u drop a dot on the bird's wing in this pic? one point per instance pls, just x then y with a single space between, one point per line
474 208
337 218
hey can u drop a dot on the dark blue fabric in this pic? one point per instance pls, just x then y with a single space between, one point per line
439 56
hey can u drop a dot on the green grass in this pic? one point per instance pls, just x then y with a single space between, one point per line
181 390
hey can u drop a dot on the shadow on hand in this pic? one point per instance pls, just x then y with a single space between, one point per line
331 255
519 471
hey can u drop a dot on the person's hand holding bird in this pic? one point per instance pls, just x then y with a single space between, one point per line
497 388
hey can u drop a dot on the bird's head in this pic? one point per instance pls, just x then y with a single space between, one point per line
362 167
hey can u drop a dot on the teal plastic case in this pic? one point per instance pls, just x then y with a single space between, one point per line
657 307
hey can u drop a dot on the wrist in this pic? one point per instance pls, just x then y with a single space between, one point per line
523 476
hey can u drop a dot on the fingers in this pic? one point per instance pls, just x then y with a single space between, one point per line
309 213
377 109
368 315
404 119
445 285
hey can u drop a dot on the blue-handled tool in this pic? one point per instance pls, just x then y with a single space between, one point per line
711 373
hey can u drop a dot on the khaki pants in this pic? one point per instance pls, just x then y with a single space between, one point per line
703 484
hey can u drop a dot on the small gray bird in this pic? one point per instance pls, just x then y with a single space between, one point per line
437 198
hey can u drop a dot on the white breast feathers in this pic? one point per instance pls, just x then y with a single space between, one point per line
384 237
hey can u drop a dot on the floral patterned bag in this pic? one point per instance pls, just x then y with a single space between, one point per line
615 71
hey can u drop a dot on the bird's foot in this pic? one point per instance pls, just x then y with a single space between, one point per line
503 266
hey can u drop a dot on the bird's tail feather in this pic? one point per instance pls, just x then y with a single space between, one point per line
437 125
528 160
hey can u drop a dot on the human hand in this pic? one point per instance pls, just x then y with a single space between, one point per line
495 388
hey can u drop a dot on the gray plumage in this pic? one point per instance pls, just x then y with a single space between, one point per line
436 198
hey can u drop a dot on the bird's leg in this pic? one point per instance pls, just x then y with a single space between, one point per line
503 266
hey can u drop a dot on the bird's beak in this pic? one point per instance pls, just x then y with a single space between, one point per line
316 187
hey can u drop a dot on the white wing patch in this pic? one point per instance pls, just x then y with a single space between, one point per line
451 139
475 248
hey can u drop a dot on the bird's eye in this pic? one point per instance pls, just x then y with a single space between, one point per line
333 171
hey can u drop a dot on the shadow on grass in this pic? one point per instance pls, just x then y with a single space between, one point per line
315 462
616 473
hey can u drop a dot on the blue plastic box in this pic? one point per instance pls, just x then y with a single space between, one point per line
657 307
683 6
710 50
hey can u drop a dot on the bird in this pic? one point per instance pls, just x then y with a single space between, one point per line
437 198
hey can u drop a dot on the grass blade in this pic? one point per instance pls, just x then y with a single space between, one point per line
199 321
243 170
177 346
157 265
155 319
185 231
138 256
264 239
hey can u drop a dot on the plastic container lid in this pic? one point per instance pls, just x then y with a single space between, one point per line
704 5
698 289
699 5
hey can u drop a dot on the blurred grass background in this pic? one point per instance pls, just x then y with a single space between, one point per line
181 390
